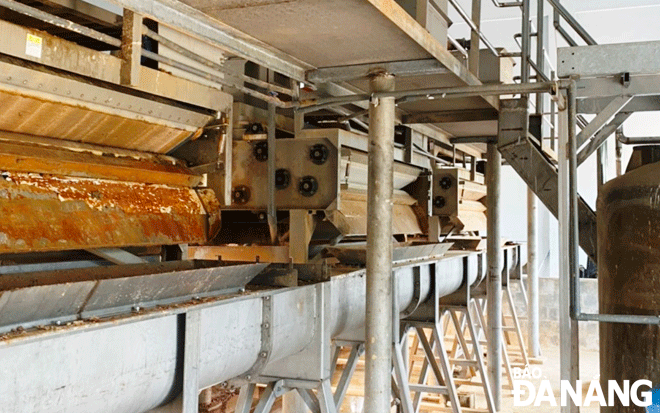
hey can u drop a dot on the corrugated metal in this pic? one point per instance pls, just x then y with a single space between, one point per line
56 120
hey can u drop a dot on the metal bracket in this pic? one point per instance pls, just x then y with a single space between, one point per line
266 344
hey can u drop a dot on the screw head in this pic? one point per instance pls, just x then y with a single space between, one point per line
263 354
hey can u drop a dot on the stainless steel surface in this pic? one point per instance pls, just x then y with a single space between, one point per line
609 59
187 19
129 364
494 292
572 22
568 328
379 295
537 170
356 254
532 277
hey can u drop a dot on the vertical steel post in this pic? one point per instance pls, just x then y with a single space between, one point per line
618 148
568 327
532 277
525 43
532 265
271 212
494 255
602 164
378 358
473 57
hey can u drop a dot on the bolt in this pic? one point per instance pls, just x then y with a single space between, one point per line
263 354
266 325
267 298
136 309
248 378
58 323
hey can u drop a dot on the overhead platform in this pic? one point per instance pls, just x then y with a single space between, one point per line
381 35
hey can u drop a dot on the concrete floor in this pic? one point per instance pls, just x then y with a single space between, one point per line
589 370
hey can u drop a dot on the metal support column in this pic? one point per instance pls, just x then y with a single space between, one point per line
473 59
272 212
568 328
525 40
494 254
378 359
532 277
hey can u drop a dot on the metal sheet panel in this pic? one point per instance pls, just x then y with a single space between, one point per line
609 59
42 213
42 104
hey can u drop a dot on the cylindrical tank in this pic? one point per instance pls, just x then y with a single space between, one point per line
629 277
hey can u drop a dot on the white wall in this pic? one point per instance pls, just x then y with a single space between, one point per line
608 21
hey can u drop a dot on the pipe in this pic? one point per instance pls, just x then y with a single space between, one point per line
475 52
532 276
494 252
568 334
59 22
213 78
378 357
525 42
539 67
447 92
474 28
573 23
211 64
637 140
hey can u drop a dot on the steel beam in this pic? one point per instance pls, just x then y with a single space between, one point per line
378 358
190 20
471 115
602 118
609 59
601 136
401 68
538 171
568 327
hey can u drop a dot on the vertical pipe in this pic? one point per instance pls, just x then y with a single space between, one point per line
567 326
532 265
271 212
602 165
619 148
540 54
525 42
494 255
473 57
532 277
378 358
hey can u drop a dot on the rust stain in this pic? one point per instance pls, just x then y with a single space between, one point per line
42 212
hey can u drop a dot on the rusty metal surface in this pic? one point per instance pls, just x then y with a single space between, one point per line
240 253
41 298
356 254
90 161
42 213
